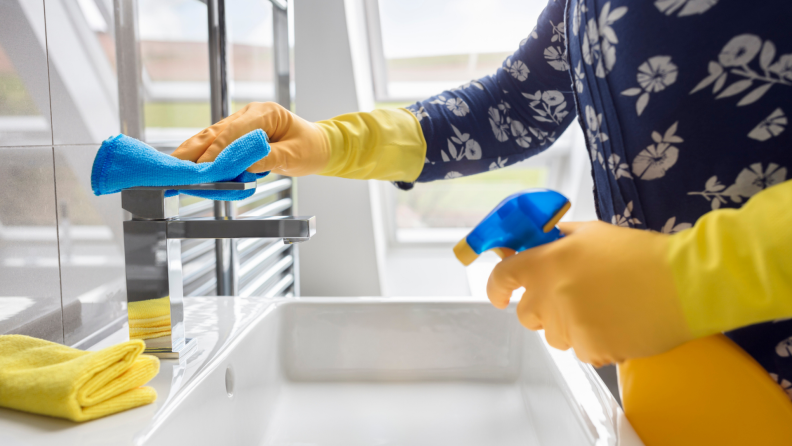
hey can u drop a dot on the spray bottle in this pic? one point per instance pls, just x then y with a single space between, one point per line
707 391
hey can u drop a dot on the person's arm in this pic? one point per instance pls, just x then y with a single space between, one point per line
486 124
383 144
504 118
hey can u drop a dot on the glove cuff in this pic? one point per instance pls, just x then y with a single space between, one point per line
732 268
381 145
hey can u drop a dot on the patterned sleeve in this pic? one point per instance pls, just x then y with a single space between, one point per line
503 118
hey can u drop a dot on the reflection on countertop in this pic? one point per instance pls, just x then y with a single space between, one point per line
214 322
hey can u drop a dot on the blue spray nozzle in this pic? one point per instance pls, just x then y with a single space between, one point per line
521 221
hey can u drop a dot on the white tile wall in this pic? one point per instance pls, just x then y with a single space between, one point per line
24 87
30 299
61 248
91 247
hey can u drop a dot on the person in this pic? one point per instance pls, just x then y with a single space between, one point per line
683 105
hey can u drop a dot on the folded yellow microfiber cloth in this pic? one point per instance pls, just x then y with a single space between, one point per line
51 379
149 319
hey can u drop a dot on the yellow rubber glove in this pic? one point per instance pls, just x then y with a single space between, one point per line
734 268
604 290
384 144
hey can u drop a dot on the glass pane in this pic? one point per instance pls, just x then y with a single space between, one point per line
175 56
462 202
434 45
251 54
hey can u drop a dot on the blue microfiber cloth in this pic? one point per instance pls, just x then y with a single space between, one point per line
123 162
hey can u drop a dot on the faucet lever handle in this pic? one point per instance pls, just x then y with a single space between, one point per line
150 202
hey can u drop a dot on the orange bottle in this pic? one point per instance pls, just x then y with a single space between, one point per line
705 392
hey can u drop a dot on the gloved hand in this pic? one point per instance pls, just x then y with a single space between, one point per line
298 147
615 293
606 291
384 144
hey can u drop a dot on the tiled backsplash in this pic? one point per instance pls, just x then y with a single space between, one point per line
91 247
61 248
29 272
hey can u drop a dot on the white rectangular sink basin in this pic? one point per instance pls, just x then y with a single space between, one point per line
355 372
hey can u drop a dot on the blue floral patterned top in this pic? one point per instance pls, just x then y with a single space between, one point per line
683 104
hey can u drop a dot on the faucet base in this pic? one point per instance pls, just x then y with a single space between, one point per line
161 348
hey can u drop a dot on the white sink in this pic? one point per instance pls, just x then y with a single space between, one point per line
352 372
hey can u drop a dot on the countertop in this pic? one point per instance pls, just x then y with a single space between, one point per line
214 322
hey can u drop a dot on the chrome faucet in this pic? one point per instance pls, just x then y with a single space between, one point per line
152 249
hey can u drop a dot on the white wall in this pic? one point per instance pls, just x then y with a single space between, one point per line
332 76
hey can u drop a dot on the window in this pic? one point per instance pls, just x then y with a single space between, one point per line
432 45
425 47
252 52
175 56
445 211
175 59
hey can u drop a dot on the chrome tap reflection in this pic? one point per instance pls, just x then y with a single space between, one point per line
152 245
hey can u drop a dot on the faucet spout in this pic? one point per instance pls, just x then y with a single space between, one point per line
284 227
